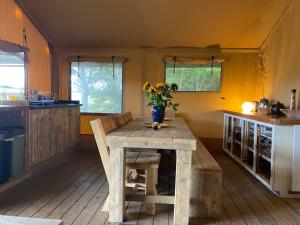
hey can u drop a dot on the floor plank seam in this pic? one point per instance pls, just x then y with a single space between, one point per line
98 209
53 196
79 196
89 200
76 187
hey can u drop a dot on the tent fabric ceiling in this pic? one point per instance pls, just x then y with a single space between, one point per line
155 23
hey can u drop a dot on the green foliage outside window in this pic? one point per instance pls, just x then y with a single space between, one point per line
98 86
195 77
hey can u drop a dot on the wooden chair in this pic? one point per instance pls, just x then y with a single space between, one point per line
122 119
147 161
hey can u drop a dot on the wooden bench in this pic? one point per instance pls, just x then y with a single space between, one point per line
206 184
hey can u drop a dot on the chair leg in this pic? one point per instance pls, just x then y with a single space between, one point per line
150 190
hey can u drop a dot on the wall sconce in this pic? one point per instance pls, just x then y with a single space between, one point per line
18 13
249 107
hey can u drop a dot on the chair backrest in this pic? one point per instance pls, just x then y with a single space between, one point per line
128 117
122 119
117 120
100 128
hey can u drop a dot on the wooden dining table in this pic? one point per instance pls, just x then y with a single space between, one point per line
176 136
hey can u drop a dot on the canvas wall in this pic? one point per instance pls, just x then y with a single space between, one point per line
12 23
202 111
281 56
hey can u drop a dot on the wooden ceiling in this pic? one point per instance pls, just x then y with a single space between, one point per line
155 23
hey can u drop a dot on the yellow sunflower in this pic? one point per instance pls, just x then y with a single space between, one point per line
160 85
152 89
146 86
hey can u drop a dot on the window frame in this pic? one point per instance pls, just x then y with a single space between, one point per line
18 48
178 91
97 113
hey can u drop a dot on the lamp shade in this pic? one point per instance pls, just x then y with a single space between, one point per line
249 107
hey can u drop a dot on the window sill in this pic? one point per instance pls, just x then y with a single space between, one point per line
99 114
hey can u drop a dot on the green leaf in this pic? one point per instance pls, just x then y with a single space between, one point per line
175 109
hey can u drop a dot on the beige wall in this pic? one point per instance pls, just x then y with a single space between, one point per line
202 111
281 54
12 23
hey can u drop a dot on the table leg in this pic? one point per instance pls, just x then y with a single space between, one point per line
150 190
182 188
117 184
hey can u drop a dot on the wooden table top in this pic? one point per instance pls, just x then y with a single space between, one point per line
176 135
266 118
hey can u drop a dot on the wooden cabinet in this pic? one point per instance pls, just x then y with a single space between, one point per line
51 131
265 150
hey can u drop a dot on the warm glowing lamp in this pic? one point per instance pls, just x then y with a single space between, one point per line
249 107
47 50
18 13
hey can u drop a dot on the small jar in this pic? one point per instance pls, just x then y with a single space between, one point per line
293 99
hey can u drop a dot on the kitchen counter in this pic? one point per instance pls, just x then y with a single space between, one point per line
52 129
12 107
51 132
64 104
283 121
60 105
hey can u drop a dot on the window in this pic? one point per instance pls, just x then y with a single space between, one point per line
12 75
98 86
194 75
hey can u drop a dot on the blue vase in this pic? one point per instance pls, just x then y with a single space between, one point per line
158 114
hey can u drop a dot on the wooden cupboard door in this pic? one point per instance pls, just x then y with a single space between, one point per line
66 128
39 141
51 132
76 120
56 131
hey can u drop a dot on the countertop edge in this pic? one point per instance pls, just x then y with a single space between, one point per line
282 121
37 107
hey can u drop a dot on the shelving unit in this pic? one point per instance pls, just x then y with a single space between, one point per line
267 147
250 143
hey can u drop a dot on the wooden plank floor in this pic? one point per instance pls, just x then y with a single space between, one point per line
75 190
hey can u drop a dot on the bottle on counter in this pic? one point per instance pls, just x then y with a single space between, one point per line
293 99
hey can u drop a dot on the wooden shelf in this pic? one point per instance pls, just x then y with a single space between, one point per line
265 157
250 149
261 175
250 167
238 142
266 136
